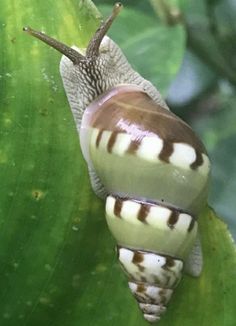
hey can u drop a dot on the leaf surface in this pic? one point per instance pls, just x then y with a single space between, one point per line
57 262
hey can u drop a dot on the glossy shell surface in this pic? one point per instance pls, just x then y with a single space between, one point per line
143 151
156 171
151 227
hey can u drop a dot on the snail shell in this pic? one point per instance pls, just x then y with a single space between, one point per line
148 165
155 171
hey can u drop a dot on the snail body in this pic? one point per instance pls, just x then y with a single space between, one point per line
148 165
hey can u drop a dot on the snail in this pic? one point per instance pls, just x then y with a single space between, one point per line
144 161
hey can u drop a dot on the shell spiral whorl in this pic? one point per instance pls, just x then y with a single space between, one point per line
155 171
157 230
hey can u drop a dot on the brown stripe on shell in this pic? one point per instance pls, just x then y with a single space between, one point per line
142 296
166 151
170 262
112 141
191 225
99 137
198 161
118 207
162 294
138 257
143 212
138 115
173 219
134 146
141 288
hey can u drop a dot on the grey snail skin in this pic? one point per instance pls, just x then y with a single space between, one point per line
146 163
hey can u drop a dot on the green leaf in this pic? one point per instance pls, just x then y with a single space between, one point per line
223 19
206 38
218 131
57 262
192 80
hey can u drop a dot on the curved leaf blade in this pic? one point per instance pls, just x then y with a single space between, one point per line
58 265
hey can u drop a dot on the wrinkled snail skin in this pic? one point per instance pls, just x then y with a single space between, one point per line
148 165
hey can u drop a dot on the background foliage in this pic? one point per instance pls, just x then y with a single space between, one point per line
57 263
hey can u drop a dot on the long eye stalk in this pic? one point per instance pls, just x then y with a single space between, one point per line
94 44
70 53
